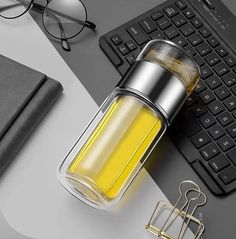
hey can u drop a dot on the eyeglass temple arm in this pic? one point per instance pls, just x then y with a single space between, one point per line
88 24
64 43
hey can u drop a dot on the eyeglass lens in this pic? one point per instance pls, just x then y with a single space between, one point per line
64 19
14 8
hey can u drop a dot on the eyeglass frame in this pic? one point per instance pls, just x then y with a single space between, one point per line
38 7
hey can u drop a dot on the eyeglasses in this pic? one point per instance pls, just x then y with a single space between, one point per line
62 19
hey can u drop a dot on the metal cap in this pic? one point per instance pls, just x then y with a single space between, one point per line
163 75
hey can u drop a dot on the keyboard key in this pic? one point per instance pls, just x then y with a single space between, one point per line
207 120
136 32
187 30
179 20
195 39
204 49
188 124
222 93
131 45
163 23
212 59
190 50
209 4
171 33
116 39
130 59
123 49
216 107
221 69
225 119
230 103
171 11
228 175
213 82
232 130
181 4
234 69
205 72
200 87
234 114
230 61
157 15
157 35
197 22
180 41
188 13
191 100
234 89
232 156
199 60
204 174
221 51
199 110
219 163
216 132
213 41
225 143
148 25
229 79
200 140
204 32
207 97
210 151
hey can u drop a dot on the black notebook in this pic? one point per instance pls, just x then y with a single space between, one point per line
26 96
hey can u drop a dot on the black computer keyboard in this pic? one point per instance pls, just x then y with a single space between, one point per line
205 131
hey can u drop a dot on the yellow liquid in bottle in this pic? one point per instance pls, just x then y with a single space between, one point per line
113 152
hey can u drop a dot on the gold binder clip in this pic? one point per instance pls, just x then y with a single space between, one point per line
166 218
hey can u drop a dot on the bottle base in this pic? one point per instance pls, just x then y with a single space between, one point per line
87 192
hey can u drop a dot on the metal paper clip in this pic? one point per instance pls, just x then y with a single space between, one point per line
166 218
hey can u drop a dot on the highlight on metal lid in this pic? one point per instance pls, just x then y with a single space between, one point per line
173 58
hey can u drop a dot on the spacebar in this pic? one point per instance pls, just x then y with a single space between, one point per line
200 169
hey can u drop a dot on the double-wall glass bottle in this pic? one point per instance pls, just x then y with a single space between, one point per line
119 139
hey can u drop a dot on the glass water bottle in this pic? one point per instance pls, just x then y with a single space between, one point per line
130 122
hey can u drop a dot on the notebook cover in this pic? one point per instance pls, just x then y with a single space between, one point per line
26 96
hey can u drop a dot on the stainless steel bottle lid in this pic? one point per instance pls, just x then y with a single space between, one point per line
163 75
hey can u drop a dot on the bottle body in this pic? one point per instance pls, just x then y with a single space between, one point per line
122 135
117 142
